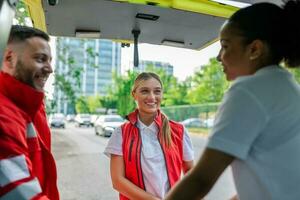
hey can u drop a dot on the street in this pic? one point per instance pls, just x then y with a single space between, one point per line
83 169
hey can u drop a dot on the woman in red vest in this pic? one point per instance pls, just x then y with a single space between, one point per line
149 152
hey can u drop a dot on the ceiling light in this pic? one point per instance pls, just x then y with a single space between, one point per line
147 16
87 34
173 43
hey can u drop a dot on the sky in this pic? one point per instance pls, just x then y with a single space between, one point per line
185 61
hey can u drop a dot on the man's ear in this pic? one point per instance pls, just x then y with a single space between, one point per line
9 61
256 49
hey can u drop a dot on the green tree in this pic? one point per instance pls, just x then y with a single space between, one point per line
296 73
91 56
122 92
209 84
82 105
67 81
22 14
109 101
50 106
94 103
177 94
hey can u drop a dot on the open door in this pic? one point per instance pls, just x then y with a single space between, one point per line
7 12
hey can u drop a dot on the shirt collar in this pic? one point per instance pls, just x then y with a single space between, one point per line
267 68
23 96
260 72
152 127
132 117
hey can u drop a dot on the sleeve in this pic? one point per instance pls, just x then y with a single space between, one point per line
17 178
114 145
188 151
239 121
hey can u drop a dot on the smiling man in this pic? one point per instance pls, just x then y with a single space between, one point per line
27 167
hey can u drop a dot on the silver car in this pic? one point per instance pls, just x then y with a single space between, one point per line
106 124
83 120
57 120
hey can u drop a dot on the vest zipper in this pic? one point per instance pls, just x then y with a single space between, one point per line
140 164
130 148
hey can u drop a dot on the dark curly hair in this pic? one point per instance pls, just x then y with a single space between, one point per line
277 26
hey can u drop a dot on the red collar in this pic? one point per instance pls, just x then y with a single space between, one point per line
23 96
132 117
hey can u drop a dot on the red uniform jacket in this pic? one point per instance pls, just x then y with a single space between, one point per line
132 151
27 167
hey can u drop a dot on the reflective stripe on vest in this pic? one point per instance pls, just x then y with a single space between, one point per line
31 133
13 169
24 191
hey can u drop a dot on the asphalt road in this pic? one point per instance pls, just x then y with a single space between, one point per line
83 169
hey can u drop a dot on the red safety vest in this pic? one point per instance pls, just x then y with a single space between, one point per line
25 143
132 151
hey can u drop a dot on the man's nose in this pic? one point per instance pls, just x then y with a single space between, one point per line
49 68
219 57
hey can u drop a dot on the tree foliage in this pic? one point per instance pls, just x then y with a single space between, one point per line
82 105
296 73
93 103
209 84
109 101
67 81
122 92
22 14
177 94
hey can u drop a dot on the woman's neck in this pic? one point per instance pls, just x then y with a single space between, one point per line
146 118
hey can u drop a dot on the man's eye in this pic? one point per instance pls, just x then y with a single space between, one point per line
39 59
223 46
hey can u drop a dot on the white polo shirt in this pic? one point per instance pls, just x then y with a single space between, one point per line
258 123
152 158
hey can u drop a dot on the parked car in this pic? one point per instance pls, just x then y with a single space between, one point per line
193 122
106 124
57 120
112 111
83 120
208 123
70 118
93 119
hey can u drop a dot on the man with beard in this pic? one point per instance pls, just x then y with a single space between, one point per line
27 167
